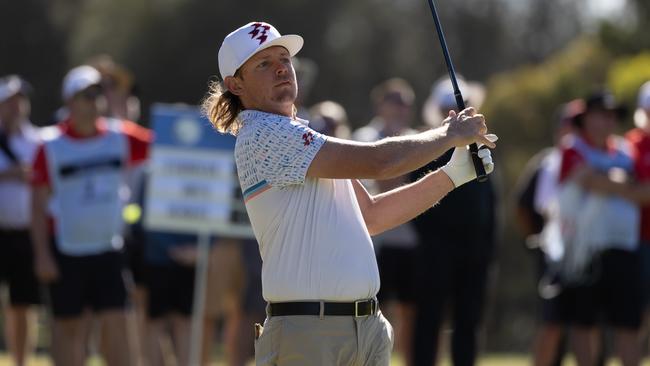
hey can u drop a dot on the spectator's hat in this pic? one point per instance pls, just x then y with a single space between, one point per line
569 111
79 79
243 43
442 98
643 105
601 100
11 85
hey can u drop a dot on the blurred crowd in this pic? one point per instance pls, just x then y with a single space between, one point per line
110 286
73 242
584 206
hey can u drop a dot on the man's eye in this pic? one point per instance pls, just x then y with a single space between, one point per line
263 64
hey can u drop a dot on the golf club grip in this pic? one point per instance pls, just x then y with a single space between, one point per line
481 176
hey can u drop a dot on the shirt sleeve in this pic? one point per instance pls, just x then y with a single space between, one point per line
285 151
571 159
41 175
139 140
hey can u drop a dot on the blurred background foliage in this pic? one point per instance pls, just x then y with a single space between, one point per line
532 55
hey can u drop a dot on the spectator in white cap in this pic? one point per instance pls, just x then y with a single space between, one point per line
442 99
78 185
311 216
330 118
18 142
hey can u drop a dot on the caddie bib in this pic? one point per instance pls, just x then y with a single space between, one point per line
87 177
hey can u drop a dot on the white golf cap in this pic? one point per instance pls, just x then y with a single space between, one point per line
250 39
11 85
78 79
644 96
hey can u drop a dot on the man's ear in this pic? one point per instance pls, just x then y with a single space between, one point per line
233 85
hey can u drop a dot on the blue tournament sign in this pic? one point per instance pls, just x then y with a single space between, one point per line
193 184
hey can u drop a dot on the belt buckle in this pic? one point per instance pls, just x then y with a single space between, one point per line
356 308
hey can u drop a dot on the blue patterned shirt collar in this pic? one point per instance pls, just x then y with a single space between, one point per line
252 115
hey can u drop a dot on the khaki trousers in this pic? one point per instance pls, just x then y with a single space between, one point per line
328 341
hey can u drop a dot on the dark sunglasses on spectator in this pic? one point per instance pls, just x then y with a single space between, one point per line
91 93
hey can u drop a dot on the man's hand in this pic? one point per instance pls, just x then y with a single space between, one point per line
22 173
466 128
460 168
46 268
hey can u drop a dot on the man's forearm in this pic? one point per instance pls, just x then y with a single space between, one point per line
393 208
405 154
639 193
8 174
39 229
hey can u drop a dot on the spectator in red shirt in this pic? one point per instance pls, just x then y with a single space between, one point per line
639 137
76 220
606 227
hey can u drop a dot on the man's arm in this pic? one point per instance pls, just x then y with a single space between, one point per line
393 208
395 156
44 264
638 193
45 267
18 173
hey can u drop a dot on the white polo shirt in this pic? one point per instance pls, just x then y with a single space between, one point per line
15 196
313 240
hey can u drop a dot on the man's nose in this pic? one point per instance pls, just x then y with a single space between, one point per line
281 69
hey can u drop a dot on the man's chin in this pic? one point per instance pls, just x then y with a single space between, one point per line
286 97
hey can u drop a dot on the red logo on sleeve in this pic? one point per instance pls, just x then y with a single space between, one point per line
308 138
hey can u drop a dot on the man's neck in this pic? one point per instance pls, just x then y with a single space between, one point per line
84 126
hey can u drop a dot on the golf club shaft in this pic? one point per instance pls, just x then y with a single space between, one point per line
460 102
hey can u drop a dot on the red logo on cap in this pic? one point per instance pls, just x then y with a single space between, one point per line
259 31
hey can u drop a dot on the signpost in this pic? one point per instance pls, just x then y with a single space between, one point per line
193 188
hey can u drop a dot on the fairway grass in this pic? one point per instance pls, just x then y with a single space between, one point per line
489 360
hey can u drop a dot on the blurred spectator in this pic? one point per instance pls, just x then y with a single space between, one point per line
393 102
330 118
119 89
233 293
599 266
536 190
234 296
77 220
640 140
442 99
167 282
19 140
453 255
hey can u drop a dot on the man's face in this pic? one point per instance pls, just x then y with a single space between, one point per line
395 111
15 108
267 82
599 124
87 103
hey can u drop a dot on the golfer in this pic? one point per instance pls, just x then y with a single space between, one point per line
311 216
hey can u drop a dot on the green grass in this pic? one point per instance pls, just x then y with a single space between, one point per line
489 360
